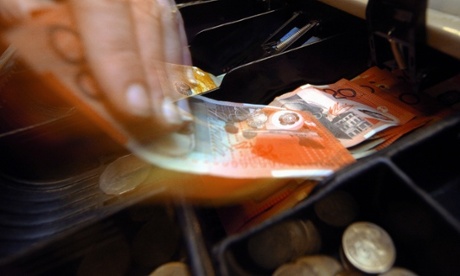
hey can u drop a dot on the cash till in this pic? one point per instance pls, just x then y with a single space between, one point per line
53 215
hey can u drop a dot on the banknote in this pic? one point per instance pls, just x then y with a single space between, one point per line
50 47
263 205
393 86
223 139
446 92
351 113
386 137
241 140
367 147
398 132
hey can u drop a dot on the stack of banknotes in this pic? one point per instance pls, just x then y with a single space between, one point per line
371 111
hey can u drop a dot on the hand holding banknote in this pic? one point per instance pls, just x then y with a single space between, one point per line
220 138
13 11
124 45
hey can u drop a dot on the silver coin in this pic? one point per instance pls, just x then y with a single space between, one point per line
290 269
282 243
321 265
398 271
349 273
312 239
123 175
337 209
368 247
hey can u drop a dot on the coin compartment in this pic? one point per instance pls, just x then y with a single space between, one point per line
425 234
133 241
235 51
427 160
227 46
201 15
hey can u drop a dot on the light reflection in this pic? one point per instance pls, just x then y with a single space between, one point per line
450 30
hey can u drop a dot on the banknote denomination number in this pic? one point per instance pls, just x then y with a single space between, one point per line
341 93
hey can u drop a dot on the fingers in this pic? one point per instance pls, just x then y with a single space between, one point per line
126 40
149 34
107 33
186 56
12 11
154 53
172 40
178 24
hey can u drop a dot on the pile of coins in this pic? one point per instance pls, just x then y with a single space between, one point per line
284 242
310 265
297 247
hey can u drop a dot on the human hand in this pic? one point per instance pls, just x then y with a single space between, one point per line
12 11
126 44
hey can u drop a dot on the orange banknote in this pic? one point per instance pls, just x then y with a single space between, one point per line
50 46
351 113
393 87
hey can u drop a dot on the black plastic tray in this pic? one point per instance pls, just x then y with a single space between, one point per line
410 190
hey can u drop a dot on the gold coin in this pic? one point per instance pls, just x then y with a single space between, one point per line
368 247
172 269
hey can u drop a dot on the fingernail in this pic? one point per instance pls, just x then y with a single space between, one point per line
138 100
189 72
171 112
164 3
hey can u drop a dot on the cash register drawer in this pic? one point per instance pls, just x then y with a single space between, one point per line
51 223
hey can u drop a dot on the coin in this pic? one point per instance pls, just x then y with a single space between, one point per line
282 243
321 265
349 273
337 209
123 175
297 269
368 247
398 271
172 269
312 239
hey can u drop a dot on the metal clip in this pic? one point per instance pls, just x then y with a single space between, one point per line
396 50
